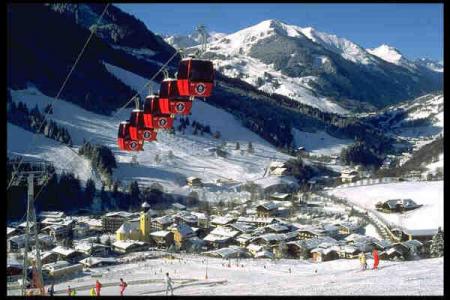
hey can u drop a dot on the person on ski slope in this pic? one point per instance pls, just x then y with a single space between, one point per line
363 261
98 287
376 259
168 281
122 286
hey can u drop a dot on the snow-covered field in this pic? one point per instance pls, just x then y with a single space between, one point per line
191 153
430 194
339 277
319 142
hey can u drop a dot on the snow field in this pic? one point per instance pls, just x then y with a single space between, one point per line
339 277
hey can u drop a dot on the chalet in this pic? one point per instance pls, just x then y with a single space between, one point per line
202 219
349 175
18 242
325 254
276 168
396 205
242 227
129 246
178 206
347 228
264 254
276 228
161 223
195 244
59 269
10 231
113 220
220 237
194 181
181 233
422 235
244 239
51 214
281 196
253 249
228 252
302 248
68 254
46 256
271 184
273 238
258 221
349 251
221 221
414 246
391 254
59 232
94 262
92 249
310 232
186 218
266 210
162 238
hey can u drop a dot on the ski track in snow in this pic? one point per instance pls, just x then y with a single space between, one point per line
338 277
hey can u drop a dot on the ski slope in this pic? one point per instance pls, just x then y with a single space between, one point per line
428 193
338 277
181 155
319 142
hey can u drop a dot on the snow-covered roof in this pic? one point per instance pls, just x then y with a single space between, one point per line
254 247
126 244
199 215
256 220
93 260
10 230
145 205
264 253
51 214
277 227
421 232
183 229
161 233
63 251
242 226
278 195
178 206
127 227
216 238
123 214
56 265
270 181
222 220
224 231
164 220
268 206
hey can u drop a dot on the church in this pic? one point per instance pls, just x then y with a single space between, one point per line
138 231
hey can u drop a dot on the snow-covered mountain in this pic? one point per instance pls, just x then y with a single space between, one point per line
437 66
392 55
190 40
316 68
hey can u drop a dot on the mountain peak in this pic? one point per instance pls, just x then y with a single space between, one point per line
388 53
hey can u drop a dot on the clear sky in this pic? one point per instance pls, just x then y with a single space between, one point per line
415 29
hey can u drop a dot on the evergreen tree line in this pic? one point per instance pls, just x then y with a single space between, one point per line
360 153
101 157
20 115
198 127
297 168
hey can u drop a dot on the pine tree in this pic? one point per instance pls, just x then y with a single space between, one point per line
437 244
89 192
250 148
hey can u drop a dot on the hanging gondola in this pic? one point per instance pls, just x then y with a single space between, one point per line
138 131
124 140
153 117
170 101
195 77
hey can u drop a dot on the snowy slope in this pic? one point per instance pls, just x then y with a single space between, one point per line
319 142
191 153
392 55
430 194
338 277
183 41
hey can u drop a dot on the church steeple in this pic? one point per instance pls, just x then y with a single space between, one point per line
145 222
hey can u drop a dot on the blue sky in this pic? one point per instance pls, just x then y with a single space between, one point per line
415 29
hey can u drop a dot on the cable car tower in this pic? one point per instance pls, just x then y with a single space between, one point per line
36 174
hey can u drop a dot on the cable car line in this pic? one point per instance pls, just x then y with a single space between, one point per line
60 91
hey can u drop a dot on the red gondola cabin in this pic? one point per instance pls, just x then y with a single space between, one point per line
195 77
138 131
124 140
153 117
170 101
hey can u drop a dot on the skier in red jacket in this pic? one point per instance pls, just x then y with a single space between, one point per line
98 286
122 286
376 259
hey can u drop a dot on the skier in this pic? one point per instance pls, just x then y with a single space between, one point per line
122 285
92 292
169 284
362 261
69 290
98 286
51 290
73 292
376 259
